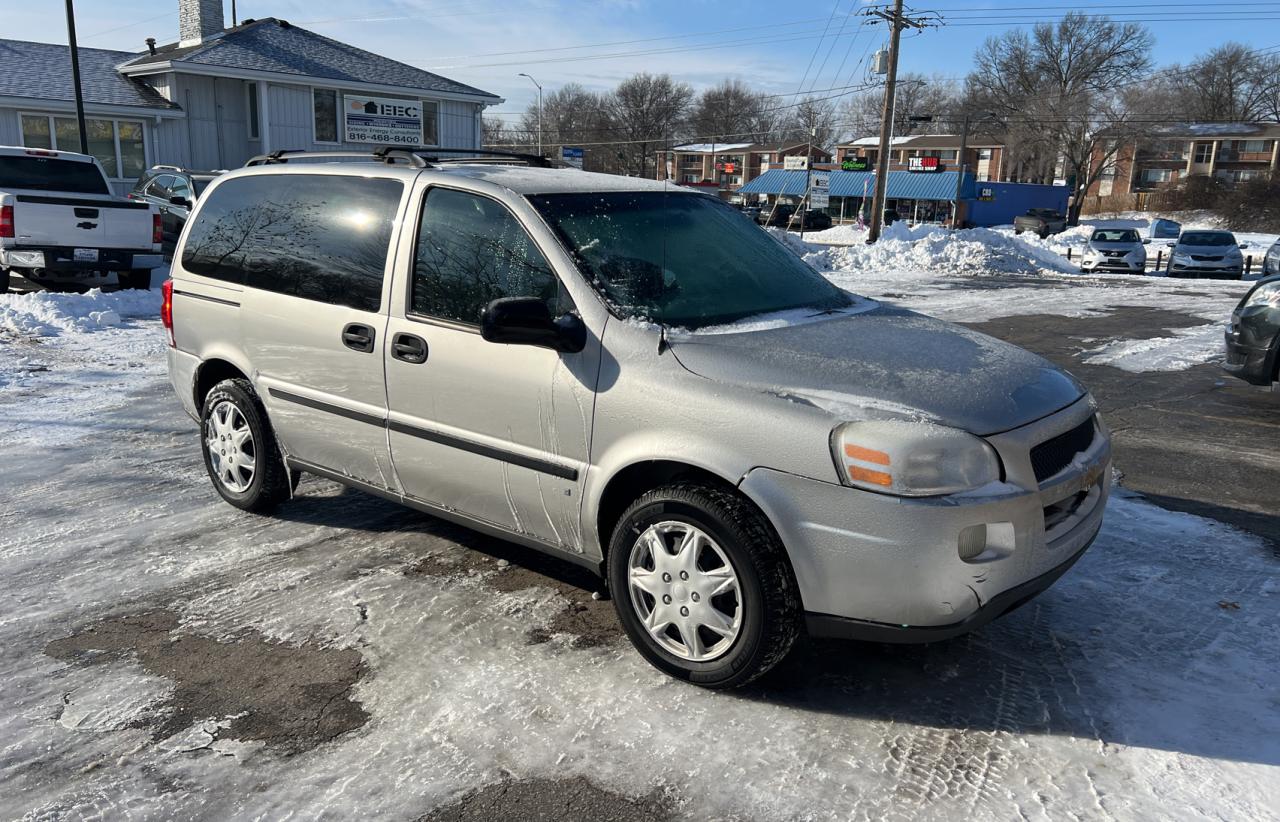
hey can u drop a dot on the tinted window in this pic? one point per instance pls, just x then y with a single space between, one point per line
51 174
1116 235
682 259
178 187
320 237
471 250
160 186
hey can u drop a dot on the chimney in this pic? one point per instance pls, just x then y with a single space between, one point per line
198 20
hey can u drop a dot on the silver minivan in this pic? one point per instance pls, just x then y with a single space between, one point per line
636 378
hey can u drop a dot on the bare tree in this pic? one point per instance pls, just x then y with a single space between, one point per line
493 132
1230 82
1068 80
812 118
570 115
730 110
937 97
645 112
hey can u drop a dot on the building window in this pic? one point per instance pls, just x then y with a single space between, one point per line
251 92
1254 146
984 154
1244 176
117 144
325 108
430 123
1156 175
1203 152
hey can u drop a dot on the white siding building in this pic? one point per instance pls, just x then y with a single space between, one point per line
219 96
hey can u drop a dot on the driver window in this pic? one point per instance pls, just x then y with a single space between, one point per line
472 250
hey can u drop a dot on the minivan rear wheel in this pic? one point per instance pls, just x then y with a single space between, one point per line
702 585
240 451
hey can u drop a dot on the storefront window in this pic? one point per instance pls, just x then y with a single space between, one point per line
117 144
326 114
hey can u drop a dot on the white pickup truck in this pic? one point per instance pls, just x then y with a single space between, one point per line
61 225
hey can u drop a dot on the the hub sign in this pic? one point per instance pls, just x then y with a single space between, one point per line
382 120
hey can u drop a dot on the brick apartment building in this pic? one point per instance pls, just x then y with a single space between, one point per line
727 167
1232 152
983 156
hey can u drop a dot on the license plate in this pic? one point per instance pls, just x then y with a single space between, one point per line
85 255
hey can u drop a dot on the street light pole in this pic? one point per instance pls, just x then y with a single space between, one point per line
539 109
75 80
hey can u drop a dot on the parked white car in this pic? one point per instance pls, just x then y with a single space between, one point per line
1207 255
1115 249
60 223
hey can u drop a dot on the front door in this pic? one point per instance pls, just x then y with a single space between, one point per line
498 432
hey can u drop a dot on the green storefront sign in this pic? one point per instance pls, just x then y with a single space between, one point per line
855 164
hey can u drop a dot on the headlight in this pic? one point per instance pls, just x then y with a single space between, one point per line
1185 259
912 459
1267 294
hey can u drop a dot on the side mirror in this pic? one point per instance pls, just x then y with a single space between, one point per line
1146 242
1244 245
1171 244
182 202
528 321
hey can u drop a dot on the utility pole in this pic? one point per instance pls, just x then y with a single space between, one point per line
897 22
75 78
960 165
536 83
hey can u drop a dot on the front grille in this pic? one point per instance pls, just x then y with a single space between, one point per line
1052 455
1204 258
1113 253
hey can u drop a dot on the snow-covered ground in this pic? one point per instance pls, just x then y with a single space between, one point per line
1141 686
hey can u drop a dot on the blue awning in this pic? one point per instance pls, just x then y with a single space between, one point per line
903 185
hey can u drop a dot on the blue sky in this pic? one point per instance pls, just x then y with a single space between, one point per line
487 43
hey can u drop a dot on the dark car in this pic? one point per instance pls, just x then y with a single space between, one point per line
1253 339
173 190
1040 221
1271 262
777 215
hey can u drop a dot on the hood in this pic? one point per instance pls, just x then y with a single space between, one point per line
888 363
1211 250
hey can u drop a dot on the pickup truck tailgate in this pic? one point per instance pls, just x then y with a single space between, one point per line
81 220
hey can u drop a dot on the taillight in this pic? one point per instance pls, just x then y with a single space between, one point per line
166 310
6 221
157 232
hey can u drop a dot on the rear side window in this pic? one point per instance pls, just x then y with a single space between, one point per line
51 174
472 250
320 237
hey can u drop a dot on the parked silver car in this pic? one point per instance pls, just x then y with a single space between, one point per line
1115 249
1207 254
576 362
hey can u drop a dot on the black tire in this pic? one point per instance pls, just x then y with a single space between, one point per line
137 279
270 484
769 597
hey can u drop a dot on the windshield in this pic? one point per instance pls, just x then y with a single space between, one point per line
51 174
1206 238
1115 235
684 260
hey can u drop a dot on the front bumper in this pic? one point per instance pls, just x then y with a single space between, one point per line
1207 271
889 568
1117 264
1253 361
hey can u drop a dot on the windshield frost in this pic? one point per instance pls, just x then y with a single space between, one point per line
682 259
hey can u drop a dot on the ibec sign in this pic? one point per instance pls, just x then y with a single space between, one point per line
382 120
923 164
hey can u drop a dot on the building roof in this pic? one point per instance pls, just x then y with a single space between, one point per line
904 185
43 71
927 141
278 47
708 148
1219 130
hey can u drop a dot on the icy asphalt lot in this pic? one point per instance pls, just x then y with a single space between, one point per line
163 655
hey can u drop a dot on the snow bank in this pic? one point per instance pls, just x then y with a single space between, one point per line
847 234
48 314
936 249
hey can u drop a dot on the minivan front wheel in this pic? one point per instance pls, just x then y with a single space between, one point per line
702 585
240 451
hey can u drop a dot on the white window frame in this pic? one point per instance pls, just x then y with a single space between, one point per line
337 115
1167 175
1261 146
115 137
1206 149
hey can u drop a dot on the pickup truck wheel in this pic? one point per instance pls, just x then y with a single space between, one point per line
138 278
702 585
4 281
240 451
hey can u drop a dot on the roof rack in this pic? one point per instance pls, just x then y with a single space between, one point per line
418 157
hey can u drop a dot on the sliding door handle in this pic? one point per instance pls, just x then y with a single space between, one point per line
358 337
409 348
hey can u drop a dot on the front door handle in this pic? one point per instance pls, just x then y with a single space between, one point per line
358 337
409 348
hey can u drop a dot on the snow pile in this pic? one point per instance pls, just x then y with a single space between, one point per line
48 314
1185 348
936 249
847 234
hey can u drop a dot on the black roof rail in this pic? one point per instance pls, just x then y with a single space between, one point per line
416 156
386 154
